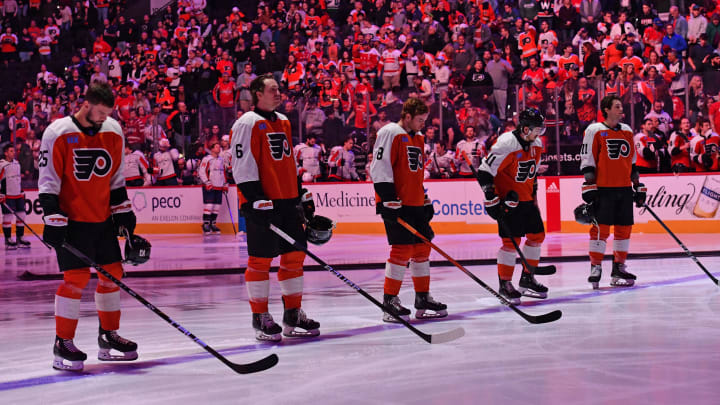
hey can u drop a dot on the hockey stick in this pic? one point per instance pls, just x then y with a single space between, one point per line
687 251
25 224
435 338
539 270
232 220
260 365
545 318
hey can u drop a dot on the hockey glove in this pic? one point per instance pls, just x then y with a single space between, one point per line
260 212
55 229
707 160
589 192
429 210
307 203
2 198
123 218
639 194
390 210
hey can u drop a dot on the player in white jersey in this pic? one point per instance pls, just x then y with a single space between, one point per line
342 162
12 198
307 156
212 176
468 152
136 168
165 159
441 163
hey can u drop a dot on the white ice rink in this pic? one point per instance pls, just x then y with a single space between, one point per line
656 343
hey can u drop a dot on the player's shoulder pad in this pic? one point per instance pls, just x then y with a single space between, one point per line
112 125
281 116
390 130
625 127
506 143
57 128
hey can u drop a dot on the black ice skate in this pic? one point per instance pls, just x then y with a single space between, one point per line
215 230
265 328
296 318
529 287
620 277
22 243
424 302
206 228
595 274
65 351
10 244
509 292
110 340
392 303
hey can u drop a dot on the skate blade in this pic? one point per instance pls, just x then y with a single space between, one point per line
59 364
263 337
514 301
532 294
621 282
105 355
390 319
429 314
290 331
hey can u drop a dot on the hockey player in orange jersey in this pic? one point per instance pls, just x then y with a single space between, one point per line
397 174
265 171
508 176
85 204
612 184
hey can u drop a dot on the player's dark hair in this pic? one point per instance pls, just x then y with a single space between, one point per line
258 85
6 147
607 103
100 93
414 107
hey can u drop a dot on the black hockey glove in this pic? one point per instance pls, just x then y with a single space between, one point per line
123 218
589 192
307 203
707 160
498 208
259 212
390 210
639 194
55 229
429 210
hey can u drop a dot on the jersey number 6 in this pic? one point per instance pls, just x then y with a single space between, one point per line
238 151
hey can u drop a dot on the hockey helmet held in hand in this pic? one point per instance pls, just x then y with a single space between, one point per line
137 250
585 214
319 229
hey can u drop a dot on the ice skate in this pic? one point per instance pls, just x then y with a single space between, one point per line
265 328
206 228
110 340
529 287
296 318
508 291
620 277
215 230
22 243
65 351
10 244
392 302
595 274
427 308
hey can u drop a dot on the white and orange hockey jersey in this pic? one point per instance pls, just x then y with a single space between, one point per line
10 179
398 158
165 163
212 172
82 169
308 160
264 153
610 153
512 166
469 153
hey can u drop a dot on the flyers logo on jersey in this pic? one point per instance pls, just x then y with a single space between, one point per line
414 162
91 161
279 145
525 170
617 148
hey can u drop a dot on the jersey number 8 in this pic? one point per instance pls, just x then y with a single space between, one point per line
379 153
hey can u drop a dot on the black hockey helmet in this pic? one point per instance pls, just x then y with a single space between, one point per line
137 250
585 214
319 229
532 118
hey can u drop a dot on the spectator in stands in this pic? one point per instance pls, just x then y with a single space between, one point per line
673 40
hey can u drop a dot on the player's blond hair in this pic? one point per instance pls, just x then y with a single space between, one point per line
414 107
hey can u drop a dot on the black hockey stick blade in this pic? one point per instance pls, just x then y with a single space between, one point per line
260 365
545 270
539 319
